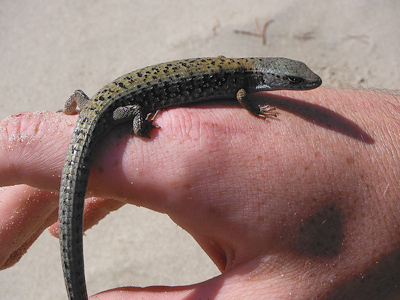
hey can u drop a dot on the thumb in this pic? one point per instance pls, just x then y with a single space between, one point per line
210 289
250 280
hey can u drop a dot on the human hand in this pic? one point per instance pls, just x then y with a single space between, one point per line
303 206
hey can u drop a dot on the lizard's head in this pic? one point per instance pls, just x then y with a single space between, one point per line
283 74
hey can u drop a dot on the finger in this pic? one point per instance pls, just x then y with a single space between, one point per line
149 293
248 281
210 289
95 210
33 149
24 213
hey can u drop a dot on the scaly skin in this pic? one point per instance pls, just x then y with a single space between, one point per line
138 95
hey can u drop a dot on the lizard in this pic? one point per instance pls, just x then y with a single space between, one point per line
137 97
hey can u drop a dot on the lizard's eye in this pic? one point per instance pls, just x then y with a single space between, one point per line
294 79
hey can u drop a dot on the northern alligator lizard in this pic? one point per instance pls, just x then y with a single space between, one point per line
136 97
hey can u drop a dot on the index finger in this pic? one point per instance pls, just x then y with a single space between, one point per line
33 149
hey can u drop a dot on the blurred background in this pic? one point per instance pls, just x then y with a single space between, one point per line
50 48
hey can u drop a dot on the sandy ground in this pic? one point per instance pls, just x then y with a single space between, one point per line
50 48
